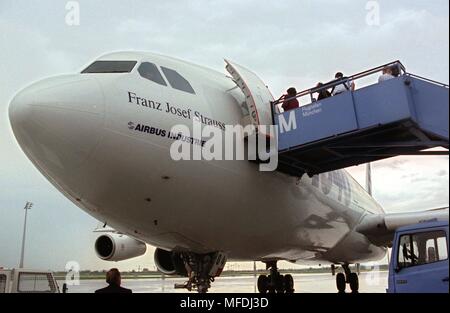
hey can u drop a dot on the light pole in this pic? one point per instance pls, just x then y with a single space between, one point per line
26 208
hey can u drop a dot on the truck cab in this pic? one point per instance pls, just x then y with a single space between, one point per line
419 259
27 281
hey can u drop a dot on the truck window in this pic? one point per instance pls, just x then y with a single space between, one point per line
405 252
442 246
35 283
422 248
2 283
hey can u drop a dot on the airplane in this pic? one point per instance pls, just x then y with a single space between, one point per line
102 137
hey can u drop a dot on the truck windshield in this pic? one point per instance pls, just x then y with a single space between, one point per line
422 248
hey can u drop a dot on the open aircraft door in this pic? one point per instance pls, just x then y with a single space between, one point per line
257 96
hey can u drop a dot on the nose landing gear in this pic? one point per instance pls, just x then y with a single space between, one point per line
201 270
275 282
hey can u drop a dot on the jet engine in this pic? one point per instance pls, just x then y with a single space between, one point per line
118 247
170 262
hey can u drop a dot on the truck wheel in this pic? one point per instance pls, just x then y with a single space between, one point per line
340 282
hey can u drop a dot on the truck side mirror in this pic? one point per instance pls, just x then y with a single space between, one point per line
64 288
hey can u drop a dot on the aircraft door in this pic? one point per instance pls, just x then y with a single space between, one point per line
257 95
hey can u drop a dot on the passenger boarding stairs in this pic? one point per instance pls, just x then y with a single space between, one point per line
406 115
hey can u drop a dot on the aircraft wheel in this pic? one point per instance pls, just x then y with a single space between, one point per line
354 282
270 284
289 283
279 285
263 284
340 282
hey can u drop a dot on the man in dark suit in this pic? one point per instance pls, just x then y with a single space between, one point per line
114 280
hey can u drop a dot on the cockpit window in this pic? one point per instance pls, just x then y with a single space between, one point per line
150 71
177 81
110 67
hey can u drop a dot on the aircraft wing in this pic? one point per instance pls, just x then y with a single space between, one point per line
380 228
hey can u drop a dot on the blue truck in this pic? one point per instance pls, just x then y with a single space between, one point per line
419 259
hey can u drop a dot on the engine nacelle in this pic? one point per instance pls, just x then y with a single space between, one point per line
118 247
170 263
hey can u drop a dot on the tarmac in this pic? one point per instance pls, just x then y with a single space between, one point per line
370 282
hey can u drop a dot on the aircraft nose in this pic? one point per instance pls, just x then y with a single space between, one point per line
58 121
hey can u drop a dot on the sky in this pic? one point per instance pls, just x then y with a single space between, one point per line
287 43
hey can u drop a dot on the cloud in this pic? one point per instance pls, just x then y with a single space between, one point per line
291 42
408 183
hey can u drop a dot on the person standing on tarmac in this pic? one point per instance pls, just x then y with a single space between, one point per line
114 279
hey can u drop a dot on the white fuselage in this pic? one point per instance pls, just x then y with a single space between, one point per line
80 132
